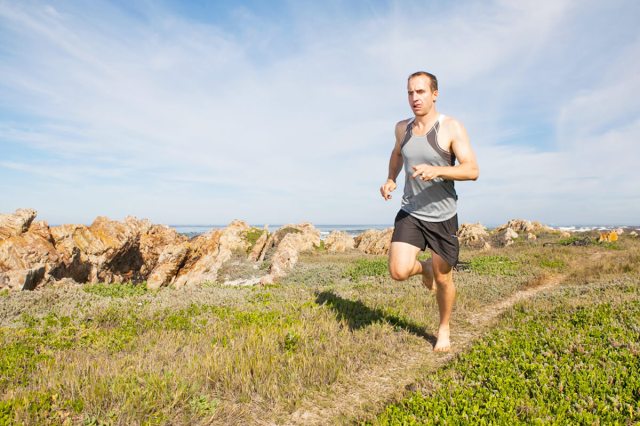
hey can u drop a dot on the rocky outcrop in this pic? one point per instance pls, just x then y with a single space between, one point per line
521 225
286 244
170 261
373 241
27 253
209 252
506 236
339 242
473 235
106 251
13 225
260 246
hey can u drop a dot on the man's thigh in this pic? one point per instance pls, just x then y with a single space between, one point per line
402 256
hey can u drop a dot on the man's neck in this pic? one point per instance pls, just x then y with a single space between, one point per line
426 120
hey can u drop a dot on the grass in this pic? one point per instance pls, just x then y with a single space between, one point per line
367 268
493 265
118 354
561 366
116 289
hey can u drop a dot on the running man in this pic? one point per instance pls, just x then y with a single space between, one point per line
428 146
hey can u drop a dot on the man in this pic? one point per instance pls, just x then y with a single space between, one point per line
428 145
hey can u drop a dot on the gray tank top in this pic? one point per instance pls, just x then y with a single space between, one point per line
435 200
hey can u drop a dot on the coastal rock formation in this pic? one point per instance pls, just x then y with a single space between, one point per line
374 241
473 235
506 236
106 251
286 244
339 242
169 263
27 253
608 237
208 252
633 234
259 247
155 240
12 225
521 225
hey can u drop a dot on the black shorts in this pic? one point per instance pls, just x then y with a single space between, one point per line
438 236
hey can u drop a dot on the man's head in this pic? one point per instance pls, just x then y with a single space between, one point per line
433 80
422 90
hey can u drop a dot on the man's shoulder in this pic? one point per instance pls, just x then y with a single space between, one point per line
451 124
402 124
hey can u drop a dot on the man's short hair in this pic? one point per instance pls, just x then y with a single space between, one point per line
432 78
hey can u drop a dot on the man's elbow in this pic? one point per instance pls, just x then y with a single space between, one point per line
474 173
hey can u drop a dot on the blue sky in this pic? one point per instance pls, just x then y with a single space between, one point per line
275 112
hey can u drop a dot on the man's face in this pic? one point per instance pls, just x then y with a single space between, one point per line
421 98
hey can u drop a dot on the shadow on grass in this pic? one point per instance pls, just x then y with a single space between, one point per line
359 315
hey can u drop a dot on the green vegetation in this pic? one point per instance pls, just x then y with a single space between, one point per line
252 235
367 268
215 354
565 366
120 290
493 265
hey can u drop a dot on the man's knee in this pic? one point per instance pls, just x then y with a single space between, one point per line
399 273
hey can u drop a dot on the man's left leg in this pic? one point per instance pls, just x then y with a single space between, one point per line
445 296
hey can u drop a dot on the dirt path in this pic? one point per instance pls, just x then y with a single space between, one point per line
373 388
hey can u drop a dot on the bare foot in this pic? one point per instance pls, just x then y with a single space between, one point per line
427 276
443 344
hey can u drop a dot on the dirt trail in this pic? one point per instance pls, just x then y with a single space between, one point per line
384 383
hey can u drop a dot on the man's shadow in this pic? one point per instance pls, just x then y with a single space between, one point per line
359 315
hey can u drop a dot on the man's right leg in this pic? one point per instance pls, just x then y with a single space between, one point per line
403 262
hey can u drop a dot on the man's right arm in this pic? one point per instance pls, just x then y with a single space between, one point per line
395 162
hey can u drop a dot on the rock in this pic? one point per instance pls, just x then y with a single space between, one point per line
260 246
619 231
521 225
27 259
472 235
107 251
309 238
154 241
608 237
208 252
291 240
339 242
22 279
506 237
565 234
12 225
373 241
633 234
169 263
531 237
284 259
486 246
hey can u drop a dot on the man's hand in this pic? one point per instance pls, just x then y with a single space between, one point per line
425 172
386 189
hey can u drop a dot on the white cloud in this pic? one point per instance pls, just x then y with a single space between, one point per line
179 121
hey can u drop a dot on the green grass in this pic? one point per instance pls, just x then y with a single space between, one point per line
252 235
367 268
493 265
120 290
558 366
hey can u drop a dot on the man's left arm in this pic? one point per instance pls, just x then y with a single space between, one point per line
467 167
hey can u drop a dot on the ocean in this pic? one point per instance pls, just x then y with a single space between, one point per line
353 230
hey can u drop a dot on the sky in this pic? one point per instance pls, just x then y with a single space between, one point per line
284 111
